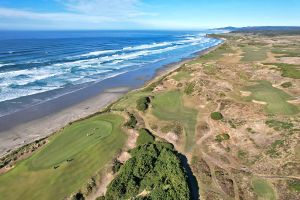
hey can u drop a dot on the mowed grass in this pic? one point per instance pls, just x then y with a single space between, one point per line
253 54
168 106
78 152
263 189
275 98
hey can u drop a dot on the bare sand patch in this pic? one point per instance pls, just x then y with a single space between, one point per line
290 60
259 102
245 93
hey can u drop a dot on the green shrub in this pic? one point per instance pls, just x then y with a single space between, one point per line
153 168
216 116
116 166
131 122
142 103
222 137
294 185
78 196
273 149
242 154
189 89
145 137
279 125
286 85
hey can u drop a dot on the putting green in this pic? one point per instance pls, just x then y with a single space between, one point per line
67 162
275 98
168 106
263 189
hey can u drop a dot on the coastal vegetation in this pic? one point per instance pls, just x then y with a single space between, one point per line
153 172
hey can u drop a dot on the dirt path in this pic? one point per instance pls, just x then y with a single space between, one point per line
123 157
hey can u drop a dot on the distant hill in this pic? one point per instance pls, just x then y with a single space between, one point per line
269 30
228 28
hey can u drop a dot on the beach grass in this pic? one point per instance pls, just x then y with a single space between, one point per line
263 189
169 106
67 162
275 99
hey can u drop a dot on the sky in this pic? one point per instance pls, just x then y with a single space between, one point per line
145 14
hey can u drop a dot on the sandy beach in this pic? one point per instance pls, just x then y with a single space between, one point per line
42 120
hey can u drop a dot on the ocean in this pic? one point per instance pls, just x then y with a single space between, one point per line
49 64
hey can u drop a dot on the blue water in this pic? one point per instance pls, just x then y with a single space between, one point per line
37 62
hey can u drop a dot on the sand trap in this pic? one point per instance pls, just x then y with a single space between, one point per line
245 93
259 102
296 101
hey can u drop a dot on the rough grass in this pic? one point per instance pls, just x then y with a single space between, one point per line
253 54
130 100
144 137
67 162
286 52
215 54
297 152
263 189
168 106
275 98
288 70
181 75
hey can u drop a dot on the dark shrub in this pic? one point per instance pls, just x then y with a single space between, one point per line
216 116
142 103
131 122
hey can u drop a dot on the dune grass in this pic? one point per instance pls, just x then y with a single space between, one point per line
275 98
67 162
263 189
168 106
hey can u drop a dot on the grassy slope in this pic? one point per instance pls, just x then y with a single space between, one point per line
168 106
181 75
275 98
90 144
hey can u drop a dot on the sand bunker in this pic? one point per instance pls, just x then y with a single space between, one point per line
245 93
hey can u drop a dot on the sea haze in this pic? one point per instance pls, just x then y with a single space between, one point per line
55 63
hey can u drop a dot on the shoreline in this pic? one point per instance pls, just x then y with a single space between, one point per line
26 133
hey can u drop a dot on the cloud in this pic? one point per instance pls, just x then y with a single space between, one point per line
63 16
79 13
111 8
